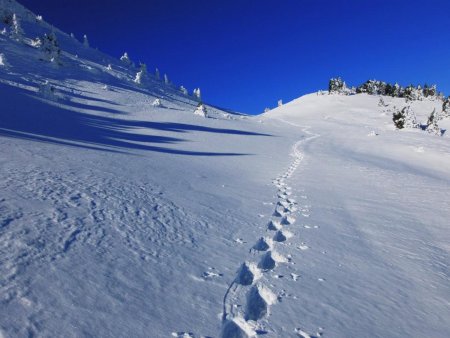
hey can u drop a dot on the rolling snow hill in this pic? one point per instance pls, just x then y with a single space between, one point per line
121 218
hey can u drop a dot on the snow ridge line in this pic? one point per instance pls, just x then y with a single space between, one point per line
248 299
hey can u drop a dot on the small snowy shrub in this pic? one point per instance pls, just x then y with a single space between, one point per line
266 110
280 103
39 18
109 67
157 103
47 91
201 110
183 90
36 43
381 103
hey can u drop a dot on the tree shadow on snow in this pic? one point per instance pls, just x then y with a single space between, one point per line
27 116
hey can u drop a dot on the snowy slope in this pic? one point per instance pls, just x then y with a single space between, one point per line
120 218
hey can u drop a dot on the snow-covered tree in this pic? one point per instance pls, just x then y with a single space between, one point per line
280 103
36 43
201 110
430 91
405 118
157 103
166 79
412 93
157 75
125 59
446 107
372 87
109 67
39 18
266 110
16 28
85 41
197 93
140 76
336 85
2 60
50 47
48 91
183 90
432 123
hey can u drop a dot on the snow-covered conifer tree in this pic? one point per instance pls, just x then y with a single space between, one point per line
197 93
140 76
201 110
109 67
432 123
50 48
2 60
183 90
398 118
446 107
125 59
36 43
405 118
16 28
336 85
85 41
280 103
166 79
157 103
157 75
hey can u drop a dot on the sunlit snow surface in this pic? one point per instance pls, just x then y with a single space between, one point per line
122 218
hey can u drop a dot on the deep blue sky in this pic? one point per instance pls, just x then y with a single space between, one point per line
246 55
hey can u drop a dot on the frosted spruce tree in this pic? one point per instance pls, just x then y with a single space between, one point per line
126 59
16 28
157 75
50 48
280 103
141 75
166 79
197 93
336 86
446 107
2 60
85 41
432 123
157 103
201 110
404 118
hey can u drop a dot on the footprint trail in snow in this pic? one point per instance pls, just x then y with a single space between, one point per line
249 299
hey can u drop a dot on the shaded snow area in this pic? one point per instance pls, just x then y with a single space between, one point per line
120 217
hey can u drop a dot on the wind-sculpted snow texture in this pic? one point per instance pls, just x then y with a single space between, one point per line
124 218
